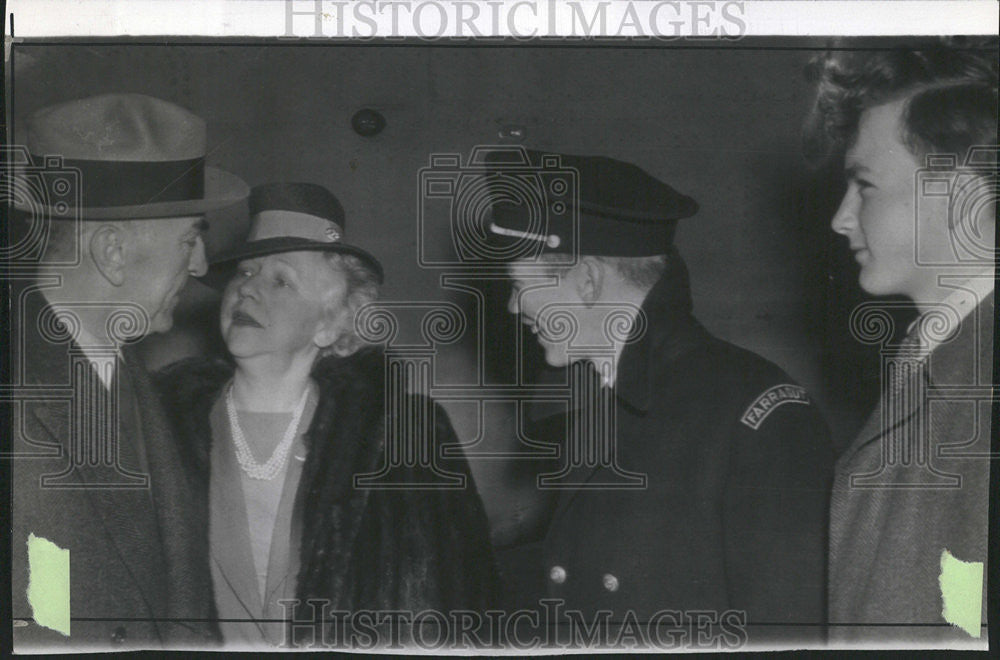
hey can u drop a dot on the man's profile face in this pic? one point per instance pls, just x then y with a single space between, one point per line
163 252
530 297
879 214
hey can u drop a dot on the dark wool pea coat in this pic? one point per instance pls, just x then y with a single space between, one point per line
733 514
139 572
409 548
887 543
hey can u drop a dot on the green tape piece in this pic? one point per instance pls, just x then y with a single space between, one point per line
962 593
48 585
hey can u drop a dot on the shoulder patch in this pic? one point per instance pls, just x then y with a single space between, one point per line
771 399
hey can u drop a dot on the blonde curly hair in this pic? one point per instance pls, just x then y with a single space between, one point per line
362 288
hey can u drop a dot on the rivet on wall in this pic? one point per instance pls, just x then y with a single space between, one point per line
367 122
512 133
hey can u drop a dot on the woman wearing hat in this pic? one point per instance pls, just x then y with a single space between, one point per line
276 436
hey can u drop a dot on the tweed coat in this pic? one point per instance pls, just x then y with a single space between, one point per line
886 543
139 573
407 548
733 516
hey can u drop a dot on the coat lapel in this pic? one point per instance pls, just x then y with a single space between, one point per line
947 364
958 362
671 331
899 403
182 524
127 514
670 334
594 422
351 512
328 506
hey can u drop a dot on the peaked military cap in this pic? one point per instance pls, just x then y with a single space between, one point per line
562 203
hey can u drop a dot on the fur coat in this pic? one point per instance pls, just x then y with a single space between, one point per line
400 548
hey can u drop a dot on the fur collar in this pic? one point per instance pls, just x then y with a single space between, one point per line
360 547
351 391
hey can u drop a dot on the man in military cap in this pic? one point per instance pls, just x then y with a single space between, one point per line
700 481
97 481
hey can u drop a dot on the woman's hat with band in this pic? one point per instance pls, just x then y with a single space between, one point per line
288 217
137 157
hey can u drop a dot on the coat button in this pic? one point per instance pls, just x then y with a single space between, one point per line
119 635
610 582
557 574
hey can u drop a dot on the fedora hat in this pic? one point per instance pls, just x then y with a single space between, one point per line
288 217
138 157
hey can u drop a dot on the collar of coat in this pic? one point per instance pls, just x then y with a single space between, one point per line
967 356
351 392
671 331
415 548
345 438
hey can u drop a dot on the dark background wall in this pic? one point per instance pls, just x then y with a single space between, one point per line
721 124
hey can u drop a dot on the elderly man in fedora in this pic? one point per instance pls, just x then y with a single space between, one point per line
97 479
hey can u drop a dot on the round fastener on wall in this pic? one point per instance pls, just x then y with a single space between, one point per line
367 122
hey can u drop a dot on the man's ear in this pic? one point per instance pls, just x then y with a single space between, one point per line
589 280
108 252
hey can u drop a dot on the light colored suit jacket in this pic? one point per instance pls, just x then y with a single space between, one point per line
913 486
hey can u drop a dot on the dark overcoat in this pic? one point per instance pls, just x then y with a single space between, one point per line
733 513
138 557
890 531
408 548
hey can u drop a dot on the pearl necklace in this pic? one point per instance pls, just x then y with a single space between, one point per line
270 469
